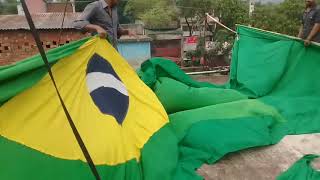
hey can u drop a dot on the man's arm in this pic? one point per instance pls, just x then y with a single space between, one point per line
83 22
122 32
315 30
95 28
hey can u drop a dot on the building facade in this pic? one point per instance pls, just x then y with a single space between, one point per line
17 43
45 6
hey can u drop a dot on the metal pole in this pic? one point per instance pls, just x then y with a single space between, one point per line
75 131
223 69
216 21
251 7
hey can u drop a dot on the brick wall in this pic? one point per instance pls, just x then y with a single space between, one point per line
19 44
166 48
36 6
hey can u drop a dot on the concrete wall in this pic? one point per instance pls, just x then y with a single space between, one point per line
135 52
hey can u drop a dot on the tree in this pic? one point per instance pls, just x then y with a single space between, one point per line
232 12
154 13
8 7
283 18
194 9
80 4
124 19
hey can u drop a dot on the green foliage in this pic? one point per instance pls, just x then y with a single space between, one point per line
232 12
160 16
223 35
154 13
124 19
199 52
8 7
201 49
80 4
192 8
284 18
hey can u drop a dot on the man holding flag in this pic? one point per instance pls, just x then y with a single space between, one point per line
102 17
310 28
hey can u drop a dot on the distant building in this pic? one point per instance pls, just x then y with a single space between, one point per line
17 43
34 6
45 6
60 6
198 30
166 43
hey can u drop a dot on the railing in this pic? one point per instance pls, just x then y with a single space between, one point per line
221 69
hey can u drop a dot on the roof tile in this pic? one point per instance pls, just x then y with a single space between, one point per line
42 21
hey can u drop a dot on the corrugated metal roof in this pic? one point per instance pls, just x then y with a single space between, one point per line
42 21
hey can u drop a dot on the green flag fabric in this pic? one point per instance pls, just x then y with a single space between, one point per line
24 74
281 72
273 91
302 170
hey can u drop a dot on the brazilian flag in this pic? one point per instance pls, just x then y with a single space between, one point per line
156 123
114 111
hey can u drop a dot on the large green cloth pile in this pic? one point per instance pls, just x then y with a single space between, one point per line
273 91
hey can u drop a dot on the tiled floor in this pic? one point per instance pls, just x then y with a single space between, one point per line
263 163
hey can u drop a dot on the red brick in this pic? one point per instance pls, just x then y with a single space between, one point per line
23 39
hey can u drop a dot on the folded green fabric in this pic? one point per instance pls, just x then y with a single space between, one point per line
302 170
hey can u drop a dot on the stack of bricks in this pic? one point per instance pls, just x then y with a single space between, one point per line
19 44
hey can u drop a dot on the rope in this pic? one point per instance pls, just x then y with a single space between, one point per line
221 24
36 37
64 16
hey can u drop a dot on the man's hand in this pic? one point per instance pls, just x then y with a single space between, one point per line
102 33
315 30
307 42
96 29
